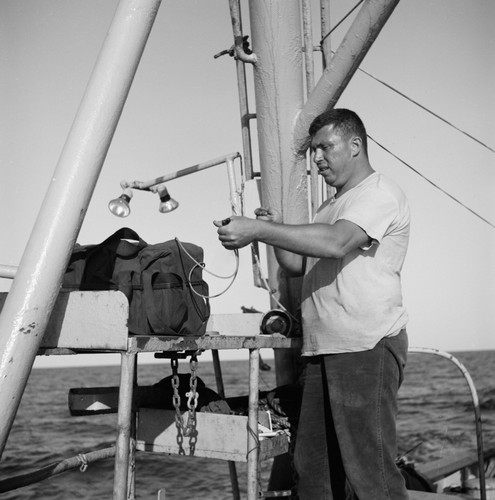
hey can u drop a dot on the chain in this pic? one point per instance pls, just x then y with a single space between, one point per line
192 404
179 422
186 430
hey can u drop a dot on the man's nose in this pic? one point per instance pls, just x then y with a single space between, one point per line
317 155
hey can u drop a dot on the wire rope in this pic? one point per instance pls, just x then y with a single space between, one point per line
341 21
424 108
431 182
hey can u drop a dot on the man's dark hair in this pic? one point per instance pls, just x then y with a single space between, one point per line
344 121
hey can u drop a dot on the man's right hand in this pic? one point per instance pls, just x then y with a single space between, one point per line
268 214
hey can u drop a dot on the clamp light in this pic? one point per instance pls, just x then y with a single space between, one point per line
120 206
167 203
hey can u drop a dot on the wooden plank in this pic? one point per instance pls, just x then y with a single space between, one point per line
219 436
438 469
87 320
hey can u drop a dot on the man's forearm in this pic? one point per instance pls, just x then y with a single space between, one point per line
303 239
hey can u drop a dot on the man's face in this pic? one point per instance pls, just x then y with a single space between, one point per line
332 153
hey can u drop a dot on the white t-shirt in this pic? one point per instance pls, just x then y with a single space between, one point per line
350 304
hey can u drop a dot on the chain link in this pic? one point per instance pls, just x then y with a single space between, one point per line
186 430
179 423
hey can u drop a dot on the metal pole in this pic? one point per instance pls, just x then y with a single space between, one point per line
279 92
326 51
124 426
310 83
37 282
325 28
146 185
253 444
8 272
236 494
241 58
236 195
235 16
366 27
308 46
245 119
131 476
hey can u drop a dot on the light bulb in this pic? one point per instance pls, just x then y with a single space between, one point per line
167 203
120 206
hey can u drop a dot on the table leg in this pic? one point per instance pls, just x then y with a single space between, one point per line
253 441
124 426
236 495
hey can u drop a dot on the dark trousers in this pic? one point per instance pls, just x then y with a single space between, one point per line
346 438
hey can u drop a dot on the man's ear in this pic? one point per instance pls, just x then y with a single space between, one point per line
356 146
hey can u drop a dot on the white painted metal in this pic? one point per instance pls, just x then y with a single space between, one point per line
87 320
235 14
7 271
124 426
97 320
236 193
36 285
325 19
279 92
146 185
310 84
365 28
253 440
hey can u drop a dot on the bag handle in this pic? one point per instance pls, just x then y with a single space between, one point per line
124 248
155 319
100 262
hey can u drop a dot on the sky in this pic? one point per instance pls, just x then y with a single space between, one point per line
183 109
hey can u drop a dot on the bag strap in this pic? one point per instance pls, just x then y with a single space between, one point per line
122 247
100 262
156 317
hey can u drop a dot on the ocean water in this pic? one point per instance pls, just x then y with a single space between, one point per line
436 419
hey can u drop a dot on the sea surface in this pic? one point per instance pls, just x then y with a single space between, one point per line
436 419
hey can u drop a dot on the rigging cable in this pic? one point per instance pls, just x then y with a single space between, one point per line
341 21
432 183
424 108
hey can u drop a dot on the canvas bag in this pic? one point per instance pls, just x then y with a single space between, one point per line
158 281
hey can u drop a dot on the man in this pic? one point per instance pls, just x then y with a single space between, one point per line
354 321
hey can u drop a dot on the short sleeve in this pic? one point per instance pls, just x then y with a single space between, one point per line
374 211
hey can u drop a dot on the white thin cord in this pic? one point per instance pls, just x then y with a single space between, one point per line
202 265
268 288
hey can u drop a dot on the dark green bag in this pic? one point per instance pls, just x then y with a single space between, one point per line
159 281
